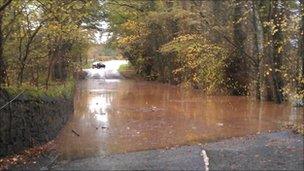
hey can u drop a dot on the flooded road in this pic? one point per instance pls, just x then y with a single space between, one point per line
117 116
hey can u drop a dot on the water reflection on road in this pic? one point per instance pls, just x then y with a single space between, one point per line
116 116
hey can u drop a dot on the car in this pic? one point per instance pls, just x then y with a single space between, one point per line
98 65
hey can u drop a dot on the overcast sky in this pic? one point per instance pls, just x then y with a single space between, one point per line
102 37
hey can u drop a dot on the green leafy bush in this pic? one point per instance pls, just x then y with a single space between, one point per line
199 63
64 90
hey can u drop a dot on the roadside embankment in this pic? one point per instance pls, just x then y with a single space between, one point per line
33 118
128 71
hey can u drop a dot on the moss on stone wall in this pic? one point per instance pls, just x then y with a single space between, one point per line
31 120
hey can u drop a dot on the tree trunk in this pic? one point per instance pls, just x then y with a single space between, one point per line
300 86
277 80
258 49
60 68
169 4
265 12
49 68
3 66
217 9
21 74
37 77
2 60
184 4
48 76
237 67
301 40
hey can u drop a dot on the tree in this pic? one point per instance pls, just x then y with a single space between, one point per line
258 48
278 40
47 36
237 66
3 66
300 85
260 36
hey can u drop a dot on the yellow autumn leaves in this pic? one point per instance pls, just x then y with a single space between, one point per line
134 31
199 62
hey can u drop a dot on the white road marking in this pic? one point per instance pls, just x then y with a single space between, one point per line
206 159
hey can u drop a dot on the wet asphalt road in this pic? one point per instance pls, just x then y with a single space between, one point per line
275 151
268 151
182 158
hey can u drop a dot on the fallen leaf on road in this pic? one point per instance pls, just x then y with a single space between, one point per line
220 124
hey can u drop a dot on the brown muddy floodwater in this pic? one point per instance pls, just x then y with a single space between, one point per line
117 116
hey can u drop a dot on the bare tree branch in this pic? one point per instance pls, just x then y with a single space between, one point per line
2 8
126 5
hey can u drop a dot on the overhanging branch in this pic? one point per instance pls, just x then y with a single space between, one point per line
2 8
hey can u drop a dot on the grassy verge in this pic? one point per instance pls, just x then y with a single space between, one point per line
56 89
87 65
128 71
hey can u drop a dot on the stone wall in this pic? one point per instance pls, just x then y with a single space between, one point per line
30 121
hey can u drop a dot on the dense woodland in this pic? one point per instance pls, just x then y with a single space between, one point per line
234 47
45 41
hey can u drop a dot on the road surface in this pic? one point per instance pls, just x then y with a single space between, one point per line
134 125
